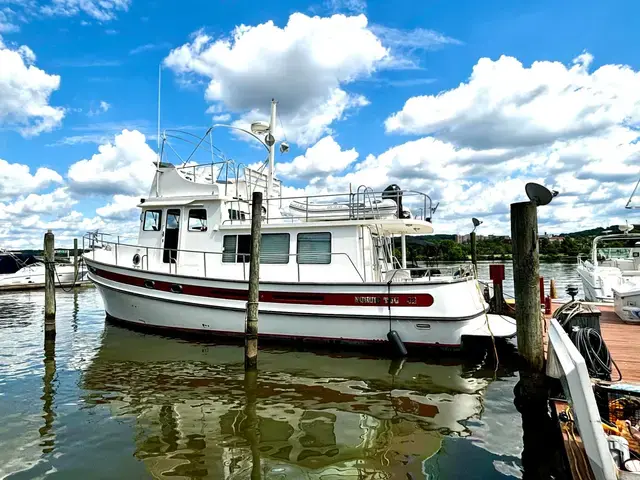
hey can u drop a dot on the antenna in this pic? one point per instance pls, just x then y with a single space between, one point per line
628 205
538 194
159 90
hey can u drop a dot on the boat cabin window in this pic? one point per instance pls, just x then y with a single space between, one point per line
236 215
152 220
197 220
274 248
314 248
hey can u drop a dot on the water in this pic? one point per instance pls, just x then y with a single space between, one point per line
107 402
565 274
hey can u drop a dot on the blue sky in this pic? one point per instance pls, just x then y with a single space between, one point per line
391 101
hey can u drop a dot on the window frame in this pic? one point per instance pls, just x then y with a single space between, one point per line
204 224
330 254
235 257
144 221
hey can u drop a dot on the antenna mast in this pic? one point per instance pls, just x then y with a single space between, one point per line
270 140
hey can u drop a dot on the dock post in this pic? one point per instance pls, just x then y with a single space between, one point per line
497 276
552 288
251 329
474 256
49 285
526 274
75 262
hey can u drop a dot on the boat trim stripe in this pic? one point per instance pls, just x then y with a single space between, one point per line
287 313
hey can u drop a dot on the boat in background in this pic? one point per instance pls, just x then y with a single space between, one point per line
322 277
30 273
609 268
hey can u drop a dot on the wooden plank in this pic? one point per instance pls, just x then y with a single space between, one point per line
574 448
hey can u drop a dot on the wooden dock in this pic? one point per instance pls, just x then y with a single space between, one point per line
622 341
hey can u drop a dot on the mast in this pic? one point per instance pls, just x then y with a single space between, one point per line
271 143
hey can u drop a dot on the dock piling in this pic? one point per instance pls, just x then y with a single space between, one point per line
251 328
552 289
49 285
526 274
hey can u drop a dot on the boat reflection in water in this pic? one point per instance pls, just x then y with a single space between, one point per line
318 416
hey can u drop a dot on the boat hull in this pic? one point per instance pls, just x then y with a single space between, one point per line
592 293
127 299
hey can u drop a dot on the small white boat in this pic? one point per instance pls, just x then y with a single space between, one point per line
32 276
608 268
385 208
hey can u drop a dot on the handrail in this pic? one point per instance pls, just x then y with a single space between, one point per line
205 253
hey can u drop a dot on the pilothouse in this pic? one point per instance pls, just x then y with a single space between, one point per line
328 269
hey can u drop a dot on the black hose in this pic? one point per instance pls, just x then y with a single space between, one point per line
595 353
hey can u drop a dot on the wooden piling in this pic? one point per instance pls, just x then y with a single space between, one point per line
49 284
474 256
251 329
75 261
552 289
526 274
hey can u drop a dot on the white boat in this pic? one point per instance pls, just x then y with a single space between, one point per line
320 279
608 268
32 276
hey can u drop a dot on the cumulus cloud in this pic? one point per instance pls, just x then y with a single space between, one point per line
505 104
16 179
323 158
305 65
57 201
25 91
124 166
121 207
103 107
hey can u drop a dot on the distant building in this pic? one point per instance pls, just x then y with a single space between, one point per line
552 238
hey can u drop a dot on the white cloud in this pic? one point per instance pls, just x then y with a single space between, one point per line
348 6
124 166
121 207
103 107
57 201
505 104
223 117
323 158
102 10
7 23
416 39
16 179
25 91
305 65
148 47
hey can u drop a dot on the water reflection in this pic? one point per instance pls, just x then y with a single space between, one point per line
316 416
47 436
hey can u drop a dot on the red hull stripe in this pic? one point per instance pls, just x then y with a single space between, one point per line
299 298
